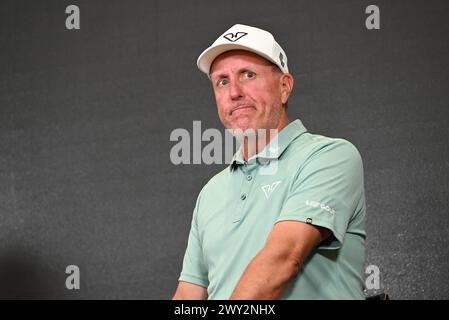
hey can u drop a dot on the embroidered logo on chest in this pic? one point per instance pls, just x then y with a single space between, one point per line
269 188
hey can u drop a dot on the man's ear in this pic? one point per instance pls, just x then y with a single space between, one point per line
286 82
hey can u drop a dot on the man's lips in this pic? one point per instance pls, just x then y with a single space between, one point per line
241 107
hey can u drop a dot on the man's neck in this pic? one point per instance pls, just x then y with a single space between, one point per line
253 145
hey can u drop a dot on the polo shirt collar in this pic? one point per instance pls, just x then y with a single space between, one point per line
275 148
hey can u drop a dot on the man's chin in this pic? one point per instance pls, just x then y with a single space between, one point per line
243 124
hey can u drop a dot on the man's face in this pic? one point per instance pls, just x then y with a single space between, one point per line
247 91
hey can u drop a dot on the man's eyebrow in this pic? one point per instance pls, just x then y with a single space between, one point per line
219 75
216 75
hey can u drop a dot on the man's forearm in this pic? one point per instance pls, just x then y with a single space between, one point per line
266 277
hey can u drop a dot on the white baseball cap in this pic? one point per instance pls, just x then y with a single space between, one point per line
247 38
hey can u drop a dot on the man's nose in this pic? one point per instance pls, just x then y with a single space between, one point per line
235 90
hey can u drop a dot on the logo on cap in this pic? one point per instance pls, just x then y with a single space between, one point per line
233 37
281 59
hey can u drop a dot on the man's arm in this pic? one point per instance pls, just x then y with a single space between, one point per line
286 249
190 291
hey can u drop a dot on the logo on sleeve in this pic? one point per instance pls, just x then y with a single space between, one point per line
269 188
233 37
323 206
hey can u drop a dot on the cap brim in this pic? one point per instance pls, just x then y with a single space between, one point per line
208 56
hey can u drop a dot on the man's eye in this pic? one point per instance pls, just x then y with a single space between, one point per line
249 74
222 82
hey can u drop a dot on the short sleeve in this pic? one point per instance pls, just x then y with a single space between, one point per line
194 269
326 190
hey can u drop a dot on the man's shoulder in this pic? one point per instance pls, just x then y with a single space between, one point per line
312 145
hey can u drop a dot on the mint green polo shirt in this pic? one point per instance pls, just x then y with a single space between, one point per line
300 177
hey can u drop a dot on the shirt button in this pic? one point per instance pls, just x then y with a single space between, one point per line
249 178
243 196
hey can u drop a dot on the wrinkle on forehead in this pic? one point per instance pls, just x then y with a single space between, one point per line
243 58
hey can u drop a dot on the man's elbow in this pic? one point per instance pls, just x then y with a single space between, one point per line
290 267
287 264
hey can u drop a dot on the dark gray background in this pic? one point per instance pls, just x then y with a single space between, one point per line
86 115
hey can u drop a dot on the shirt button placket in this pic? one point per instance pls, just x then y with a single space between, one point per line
246 187
248 178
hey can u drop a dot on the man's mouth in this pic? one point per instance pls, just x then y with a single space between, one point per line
241 107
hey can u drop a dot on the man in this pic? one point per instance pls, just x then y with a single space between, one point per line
295 232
